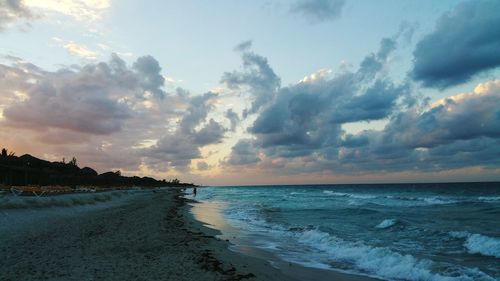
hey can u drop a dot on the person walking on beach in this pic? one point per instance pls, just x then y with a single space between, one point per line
194 191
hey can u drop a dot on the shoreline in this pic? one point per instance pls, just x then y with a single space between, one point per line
217 254
151 237
209 217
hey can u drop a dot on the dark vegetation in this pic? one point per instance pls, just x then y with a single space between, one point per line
29 170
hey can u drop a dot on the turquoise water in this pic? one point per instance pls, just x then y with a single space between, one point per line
393 232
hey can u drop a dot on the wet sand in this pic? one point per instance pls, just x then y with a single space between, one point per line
150 237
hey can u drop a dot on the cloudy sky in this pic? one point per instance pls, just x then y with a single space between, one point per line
256 92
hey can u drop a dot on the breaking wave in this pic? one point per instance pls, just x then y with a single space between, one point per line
381 261
386 223
479 244
390 200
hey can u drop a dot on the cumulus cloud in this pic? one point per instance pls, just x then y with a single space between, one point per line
307 117
172 151
319 10
199 107
175 150
111 114
243 153
11 11
202 166
150 74
233 118
52 106
299 129
460 117
212 133
256 75
90 99
374 62
455 132
463 44
243 46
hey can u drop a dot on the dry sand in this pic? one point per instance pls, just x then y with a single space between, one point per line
149 238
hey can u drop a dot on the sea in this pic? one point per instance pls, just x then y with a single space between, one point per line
442 231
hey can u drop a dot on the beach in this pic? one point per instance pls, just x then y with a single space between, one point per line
147 236
250 233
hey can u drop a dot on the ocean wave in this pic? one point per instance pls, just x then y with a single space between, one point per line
439 201
391 200
66 200
350 195
386 223
250 218
489 198
479 244
380 261
324 250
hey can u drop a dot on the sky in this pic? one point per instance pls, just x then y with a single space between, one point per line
256 92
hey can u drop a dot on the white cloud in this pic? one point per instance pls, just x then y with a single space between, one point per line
81 10
11 11
80 50
318 75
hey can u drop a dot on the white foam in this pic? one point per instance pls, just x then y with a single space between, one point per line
479 244
375 260
391 200
350 195
489 198
386 223
439 201
315 248
484 245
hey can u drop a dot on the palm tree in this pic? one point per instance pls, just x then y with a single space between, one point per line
72 162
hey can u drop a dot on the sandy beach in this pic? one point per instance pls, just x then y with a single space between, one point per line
150 237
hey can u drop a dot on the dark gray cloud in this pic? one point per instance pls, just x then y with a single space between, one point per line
243 46
172 151
374 62
202 166
460 117
307 117
481 151
150 73
11 11
464 43
212 133
319 10
243 153
257 75
233 118
459 131
175 150
199 107
300 129
377 102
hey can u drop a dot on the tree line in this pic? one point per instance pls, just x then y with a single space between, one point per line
29 170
